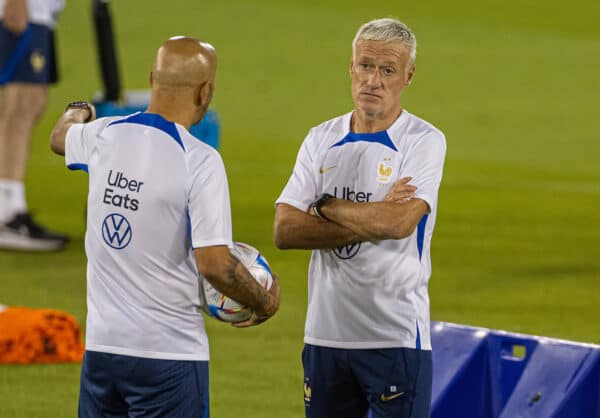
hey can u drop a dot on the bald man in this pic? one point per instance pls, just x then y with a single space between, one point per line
158 212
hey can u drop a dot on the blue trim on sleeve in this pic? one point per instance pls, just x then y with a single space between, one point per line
8 71
155 121
380 137
78 166
189 226
418 342
421 234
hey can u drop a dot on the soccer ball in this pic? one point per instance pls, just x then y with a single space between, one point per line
225 309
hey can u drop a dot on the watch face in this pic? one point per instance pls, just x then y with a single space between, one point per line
319 203
79 104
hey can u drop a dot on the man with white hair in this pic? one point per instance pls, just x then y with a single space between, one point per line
363 197
27 67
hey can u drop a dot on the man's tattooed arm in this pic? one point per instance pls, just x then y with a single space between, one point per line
229 276
243 288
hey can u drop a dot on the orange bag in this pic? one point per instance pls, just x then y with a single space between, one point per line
39 336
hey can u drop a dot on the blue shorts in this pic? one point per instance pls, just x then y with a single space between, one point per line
122 386
390 382
28 57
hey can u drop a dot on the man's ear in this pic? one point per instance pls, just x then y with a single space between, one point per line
198 95
350 67
204 94
150 79
410 74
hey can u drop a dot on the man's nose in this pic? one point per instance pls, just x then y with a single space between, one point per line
374 79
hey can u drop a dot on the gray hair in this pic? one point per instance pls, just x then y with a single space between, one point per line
388 30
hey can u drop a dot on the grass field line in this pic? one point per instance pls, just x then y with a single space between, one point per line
527 185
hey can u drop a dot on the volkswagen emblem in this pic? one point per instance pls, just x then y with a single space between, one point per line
347 251
116 231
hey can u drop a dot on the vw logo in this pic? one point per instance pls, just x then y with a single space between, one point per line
347 251
116 231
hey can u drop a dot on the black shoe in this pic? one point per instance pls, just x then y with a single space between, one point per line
23 233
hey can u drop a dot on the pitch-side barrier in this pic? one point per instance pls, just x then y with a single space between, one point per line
483 373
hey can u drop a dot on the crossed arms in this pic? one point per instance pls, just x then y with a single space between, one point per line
396 217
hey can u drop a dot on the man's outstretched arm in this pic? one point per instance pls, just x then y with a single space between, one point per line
71 116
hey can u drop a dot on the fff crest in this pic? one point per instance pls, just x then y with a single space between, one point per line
38 61
384 171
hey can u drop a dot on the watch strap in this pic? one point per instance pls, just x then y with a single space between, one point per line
318 204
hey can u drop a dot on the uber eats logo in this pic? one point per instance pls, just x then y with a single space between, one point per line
117 194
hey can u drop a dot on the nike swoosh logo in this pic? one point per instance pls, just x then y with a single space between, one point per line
326 169
389 398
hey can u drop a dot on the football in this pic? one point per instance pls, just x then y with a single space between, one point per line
219 306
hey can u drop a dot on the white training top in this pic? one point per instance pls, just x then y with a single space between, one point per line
371 294
155 192
41 12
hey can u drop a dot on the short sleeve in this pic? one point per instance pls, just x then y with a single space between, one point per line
208 203
301 188
425 164
77 147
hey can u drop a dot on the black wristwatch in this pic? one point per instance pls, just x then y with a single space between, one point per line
81 105
317 204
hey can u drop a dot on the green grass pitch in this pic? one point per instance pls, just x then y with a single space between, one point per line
513 84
